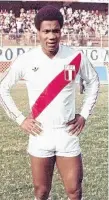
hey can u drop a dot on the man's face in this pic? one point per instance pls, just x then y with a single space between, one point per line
49 36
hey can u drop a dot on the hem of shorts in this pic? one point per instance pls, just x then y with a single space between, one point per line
69 154
40 156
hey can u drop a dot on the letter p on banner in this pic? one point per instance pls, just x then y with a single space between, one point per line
69 72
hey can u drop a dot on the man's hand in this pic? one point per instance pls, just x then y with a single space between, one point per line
76 124
31 126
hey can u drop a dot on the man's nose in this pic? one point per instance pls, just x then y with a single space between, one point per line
52 35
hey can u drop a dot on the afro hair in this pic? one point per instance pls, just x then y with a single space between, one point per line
48 13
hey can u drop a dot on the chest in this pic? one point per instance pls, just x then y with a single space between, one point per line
39 75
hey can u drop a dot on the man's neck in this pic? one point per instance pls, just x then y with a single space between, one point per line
50 54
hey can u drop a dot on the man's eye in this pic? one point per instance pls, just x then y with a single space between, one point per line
53 31
46 31
56 31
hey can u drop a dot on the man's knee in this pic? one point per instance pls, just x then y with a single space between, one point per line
41 192
75 192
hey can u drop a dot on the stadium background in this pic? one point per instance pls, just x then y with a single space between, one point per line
16 30
15 170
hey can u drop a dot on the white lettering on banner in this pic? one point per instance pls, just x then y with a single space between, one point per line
10 53
98 55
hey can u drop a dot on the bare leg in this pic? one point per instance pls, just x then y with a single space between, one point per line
71 171
42 172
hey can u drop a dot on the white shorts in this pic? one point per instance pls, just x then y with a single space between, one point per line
53 142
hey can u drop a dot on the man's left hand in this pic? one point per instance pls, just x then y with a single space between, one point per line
77 124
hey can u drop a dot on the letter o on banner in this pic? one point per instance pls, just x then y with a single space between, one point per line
8 54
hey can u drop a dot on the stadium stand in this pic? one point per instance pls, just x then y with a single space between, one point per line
85 25
82 27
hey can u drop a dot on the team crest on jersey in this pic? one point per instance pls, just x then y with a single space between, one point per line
35 69
69 72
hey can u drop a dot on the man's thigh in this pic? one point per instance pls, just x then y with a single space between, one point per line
71 171
42 170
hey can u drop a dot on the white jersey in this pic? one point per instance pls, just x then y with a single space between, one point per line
38 71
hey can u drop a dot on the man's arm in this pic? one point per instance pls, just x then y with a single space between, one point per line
13 75
87 73
16 72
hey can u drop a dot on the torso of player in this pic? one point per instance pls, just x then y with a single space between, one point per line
39 73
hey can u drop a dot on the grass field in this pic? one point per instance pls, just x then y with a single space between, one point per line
15 174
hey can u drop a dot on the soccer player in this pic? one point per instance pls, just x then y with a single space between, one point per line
49 71
82 86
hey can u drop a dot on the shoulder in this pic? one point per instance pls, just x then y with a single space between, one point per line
27 58
31 53
68 51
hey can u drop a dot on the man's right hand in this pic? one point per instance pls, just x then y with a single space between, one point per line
31 126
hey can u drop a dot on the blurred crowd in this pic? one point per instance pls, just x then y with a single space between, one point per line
79 25
83 25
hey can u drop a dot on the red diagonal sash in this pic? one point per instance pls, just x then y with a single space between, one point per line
53 88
